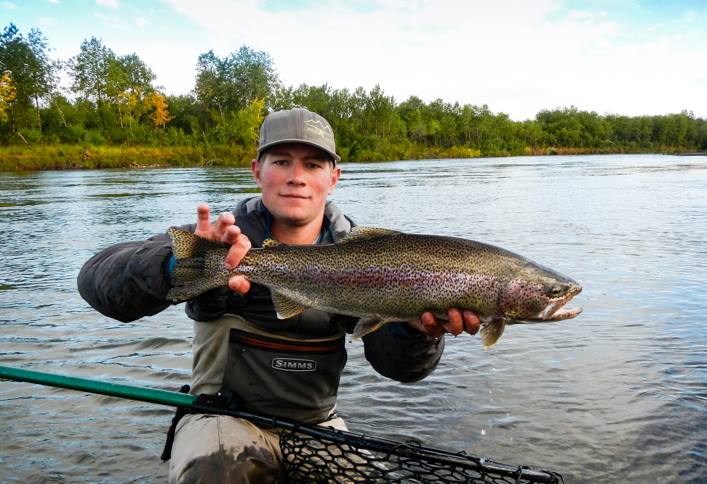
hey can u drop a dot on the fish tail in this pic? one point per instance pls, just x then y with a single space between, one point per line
198 265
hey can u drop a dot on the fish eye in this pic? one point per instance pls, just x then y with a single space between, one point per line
555 291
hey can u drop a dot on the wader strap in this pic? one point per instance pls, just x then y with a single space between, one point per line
278 344
178 414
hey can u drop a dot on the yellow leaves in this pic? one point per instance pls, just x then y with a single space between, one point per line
134 98
7 95
160 116
460 152
137 104
252 119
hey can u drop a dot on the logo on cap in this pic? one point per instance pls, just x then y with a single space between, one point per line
316 127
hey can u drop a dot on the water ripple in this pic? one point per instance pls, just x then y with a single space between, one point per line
617 395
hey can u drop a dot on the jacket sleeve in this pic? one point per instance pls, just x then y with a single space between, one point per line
399 352
128 280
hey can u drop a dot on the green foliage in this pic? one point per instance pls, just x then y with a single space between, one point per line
232 83
115 116
91 70
26 62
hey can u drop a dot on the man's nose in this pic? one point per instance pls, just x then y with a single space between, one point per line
296 173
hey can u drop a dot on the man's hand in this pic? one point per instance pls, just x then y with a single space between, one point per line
457 322
226 231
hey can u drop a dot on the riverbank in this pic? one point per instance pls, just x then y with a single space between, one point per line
72 157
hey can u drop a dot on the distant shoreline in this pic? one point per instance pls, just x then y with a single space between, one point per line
73 157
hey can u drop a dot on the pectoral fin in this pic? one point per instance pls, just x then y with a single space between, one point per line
286 307
369 325
492 331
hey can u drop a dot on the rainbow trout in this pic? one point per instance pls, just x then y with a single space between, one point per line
381 276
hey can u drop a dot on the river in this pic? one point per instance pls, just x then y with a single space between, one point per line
617 395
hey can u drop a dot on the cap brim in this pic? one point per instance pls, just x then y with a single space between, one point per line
333 155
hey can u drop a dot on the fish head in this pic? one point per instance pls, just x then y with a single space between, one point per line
536 293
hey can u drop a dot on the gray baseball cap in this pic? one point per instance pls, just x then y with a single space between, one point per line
297 125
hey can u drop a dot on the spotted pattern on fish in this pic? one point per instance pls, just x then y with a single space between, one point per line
385 275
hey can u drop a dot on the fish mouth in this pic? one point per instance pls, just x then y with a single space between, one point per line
555 310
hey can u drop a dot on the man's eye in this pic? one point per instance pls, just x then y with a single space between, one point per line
315 166
280 162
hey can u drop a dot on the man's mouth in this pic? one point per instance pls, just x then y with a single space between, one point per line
294 195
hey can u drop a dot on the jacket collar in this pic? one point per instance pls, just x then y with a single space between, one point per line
255 221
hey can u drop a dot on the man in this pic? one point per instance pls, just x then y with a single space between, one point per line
240 346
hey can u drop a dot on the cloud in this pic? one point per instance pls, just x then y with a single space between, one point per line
585 15
53 2
689 17
108 3
518 57
8 5
47 21
140 22
111 21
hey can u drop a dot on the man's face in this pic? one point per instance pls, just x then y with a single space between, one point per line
295 180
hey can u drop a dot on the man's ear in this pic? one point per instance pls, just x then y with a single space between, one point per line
335 175
255 169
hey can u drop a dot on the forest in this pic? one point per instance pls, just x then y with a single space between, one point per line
111 113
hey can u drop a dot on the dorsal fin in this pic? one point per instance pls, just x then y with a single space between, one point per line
270 243
363 233
286 307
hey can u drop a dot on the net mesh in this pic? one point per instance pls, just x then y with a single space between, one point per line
316 460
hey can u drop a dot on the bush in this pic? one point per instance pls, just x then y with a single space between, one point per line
460 152
73 135
31 136
95 138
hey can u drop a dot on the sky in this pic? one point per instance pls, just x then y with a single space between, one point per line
517 57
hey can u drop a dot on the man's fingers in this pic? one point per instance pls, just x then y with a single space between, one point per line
471 322
239 284
231 234
454 324
427 324
223 222
237 251
428 320
458 321
202 219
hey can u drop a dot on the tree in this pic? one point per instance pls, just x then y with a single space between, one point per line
411 112
380 112
185 112
234 82
252 75
91 69
129 87
211 85
118 85
31 72
7 95
157 102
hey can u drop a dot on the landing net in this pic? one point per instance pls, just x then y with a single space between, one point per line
320 460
